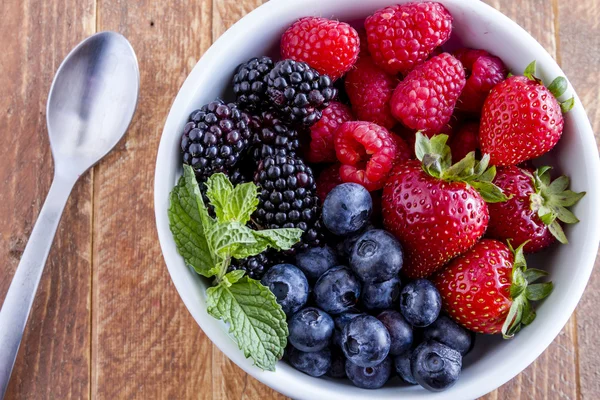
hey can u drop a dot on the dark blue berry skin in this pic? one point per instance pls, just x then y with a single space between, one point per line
365 341
420 303
376 256
337 290
342 320
435 366
401 333
310 329
380 295
315 364
338 365
402 364
316 260
289 285
369 377
448 332
344 248
347 209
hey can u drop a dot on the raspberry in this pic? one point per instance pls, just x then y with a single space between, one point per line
327 180
364 46
401 37
464 141
403 152
367 152
483 72
321 147
370 89
331 47
425 99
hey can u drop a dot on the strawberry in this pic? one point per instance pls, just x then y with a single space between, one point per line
488 289
435 209
535 209
465 140
522 119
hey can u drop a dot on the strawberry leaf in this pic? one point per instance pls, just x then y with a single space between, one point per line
533 274
539 291
558 87
530 71
567 105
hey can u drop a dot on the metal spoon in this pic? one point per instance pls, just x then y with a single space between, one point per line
91 103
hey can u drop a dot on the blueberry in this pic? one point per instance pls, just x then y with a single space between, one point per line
365 341
435 366
342 320
344 248
380 295
316 260
289 285
310 329
402 364
420 303
337 290
338 365
347 209
315 364
336 338
448 332
376 256
401 334
369 377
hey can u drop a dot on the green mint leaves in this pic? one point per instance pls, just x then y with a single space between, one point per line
207 244
436 158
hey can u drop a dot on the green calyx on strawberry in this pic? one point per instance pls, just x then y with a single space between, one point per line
551 199
558 87
523 290
436 158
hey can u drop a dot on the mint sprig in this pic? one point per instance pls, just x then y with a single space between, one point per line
207 244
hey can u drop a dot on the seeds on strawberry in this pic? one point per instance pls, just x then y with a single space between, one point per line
367 152
534 212
484 71
331 47
322 148
430 208
521 118
370 89
400 37
426 98
488 289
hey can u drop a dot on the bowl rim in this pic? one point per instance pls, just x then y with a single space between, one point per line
226 345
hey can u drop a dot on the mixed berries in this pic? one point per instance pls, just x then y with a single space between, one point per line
403 164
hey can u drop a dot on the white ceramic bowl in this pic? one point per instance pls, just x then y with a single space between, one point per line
494 361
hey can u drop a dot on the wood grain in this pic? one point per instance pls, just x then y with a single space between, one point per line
146 345
107 322
54 358
579 43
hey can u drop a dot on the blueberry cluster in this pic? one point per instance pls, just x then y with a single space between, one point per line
350 317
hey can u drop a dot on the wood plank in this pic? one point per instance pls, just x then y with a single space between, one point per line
579 43
146 345
553 375
54 360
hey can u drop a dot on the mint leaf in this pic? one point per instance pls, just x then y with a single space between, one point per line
225 238
256 321
219 190
188 220
243 202
232 277
278 239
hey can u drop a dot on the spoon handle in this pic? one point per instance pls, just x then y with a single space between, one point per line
20 296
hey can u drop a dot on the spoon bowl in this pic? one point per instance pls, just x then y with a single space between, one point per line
90 106
92 100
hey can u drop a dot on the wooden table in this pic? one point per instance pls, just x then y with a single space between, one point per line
107 322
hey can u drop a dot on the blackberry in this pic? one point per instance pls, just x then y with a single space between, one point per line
214 138
288 198
255 266
271 136
248 82
298 92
